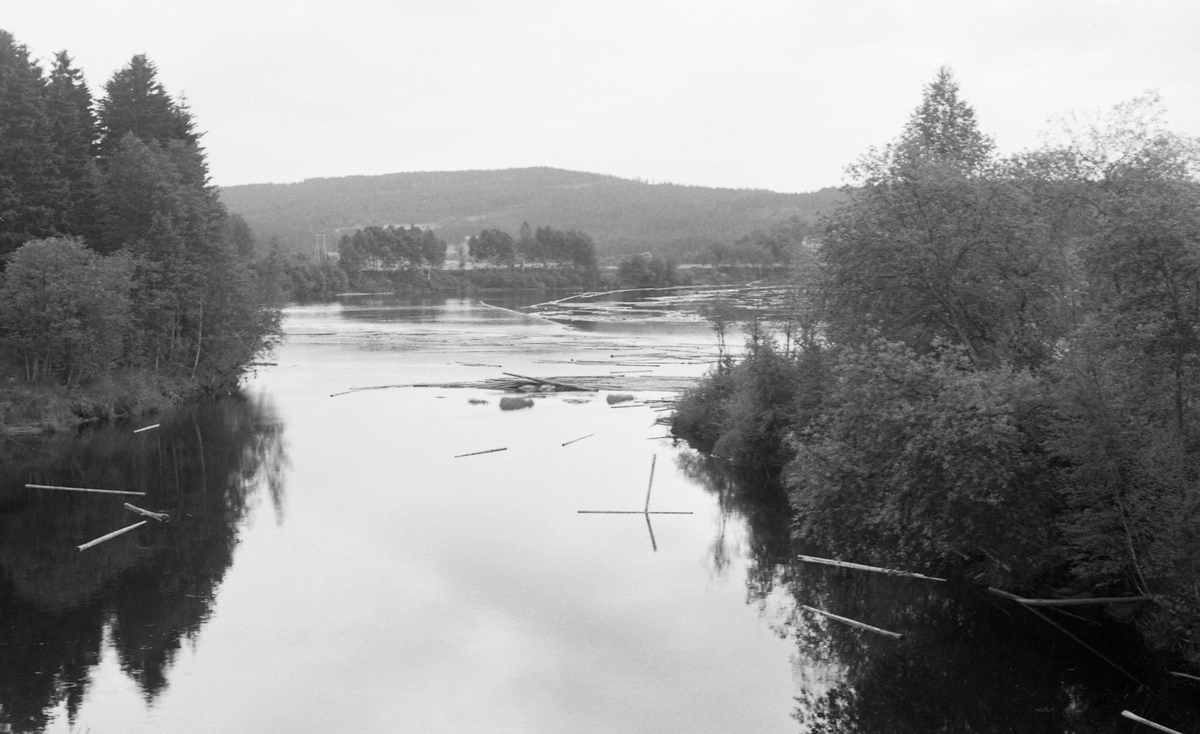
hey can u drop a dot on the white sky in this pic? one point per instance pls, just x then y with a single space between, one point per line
775 94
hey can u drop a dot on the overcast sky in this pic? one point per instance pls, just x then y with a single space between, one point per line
774 94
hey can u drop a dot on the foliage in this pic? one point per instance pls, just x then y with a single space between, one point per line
745 412
924 461
29 189
390 248
74 133
700 413
647 270
1129 481
65 310
297 277
135 103
783 243
122 255
493 245
556 246
1011 364
940 243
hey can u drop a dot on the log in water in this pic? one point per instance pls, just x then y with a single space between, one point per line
83 489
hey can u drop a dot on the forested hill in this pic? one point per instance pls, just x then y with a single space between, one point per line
622 215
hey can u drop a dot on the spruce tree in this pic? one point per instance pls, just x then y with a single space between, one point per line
944 130
200 314
30 190
74 135
136 103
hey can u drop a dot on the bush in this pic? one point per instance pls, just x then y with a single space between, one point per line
65 310
746 411
926 462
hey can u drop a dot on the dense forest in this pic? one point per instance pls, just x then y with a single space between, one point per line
622 216
124 280
994 371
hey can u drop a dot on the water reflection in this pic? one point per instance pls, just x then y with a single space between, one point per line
968 661
759 502
141 594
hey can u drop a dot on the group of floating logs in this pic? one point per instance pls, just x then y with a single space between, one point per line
574 383
1030 604
510 382
159 516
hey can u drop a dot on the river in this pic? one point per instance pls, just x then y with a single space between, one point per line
349 553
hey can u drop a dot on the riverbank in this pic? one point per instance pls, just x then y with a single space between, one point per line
926 464
38 408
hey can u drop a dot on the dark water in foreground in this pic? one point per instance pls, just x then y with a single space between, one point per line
330 566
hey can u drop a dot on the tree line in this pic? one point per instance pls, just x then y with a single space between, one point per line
623 216
546 246
390 248
116 251
994 369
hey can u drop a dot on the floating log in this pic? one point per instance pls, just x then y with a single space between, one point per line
650 527
111 535
1184 675
84 489
855 623
1076 638
477 453
514 403
575 440
160 516
1134 717
632 512
650 486
560 385
375 387
147 428
861 567
1080 602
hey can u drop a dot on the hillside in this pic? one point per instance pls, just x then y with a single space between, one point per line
622 215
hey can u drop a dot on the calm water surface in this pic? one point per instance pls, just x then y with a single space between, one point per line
330 566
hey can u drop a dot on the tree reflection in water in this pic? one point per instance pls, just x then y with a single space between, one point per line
968 661
144 592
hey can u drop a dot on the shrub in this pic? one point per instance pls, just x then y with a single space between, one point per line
65 310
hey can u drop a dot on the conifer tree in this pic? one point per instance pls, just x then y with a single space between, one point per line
74 135
943 130
938 243
135 102
30 189
201 317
